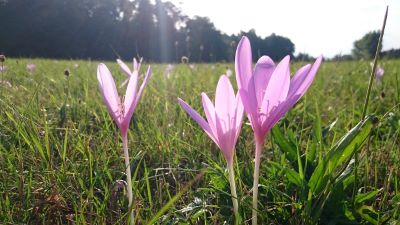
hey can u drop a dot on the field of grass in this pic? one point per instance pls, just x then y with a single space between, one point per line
61 158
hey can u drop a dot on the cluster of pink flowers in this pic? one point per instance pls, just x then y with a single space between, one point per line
265 93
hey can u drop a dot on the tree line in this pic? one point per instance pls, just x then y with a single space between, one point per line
155 30
104 29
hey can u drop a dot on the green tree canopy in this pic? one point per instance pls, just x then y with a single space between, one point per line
366 46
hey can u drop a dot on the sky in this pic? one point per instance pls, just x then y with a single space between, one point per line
315 26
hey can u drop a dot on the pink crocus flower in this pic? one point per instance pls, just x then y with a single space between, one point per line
268 93
121 109
379 71
379 74
223 124
31 67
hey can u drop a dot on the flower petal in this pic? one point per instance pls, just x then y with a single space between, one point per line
136 64
200 120
209 110
130 96
139 94
262 74
278 86
251 108
238 117
298 79
109 91
222 134
124 68
224 99
243 63
302 80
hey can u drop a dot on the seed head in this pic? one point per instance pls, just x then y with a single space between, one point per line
2 58
184 60
67 72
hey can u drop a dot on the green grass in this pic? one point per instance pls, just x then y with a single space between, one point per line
61 153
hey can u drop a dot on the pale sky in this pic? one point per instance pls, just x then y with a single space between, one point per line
314 26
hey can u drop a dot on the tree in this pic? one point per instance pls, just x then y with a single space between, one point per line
366 46
277 47
304 57
102 29
206 42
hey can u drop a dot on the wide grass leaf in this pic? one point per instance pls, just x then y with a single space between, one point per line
341 152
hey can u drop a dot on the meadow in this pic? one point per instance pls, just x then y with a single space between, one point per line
61 156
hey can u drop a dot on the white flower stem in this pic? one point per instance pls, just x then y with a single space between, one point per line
231 173
128 174
255 182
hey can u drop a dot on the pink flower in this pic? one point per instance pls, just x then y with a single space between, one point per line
267 91
222 126
224 120
31 67
379 73
121 109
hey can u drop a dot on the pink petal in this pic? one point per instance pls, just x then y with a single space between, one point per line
278 86
130 97
303 79
124 68
139 94
251 108
298 79
224 99
109 91
238 117
200 120
136 65
301 82
262 74
209 110
222 134
243 63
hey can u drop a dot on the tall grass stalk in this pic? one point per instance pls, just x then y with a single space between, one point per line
364 112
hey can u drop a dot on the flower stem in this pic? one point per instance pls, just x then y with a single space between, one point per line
255 183
128 174
231 173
